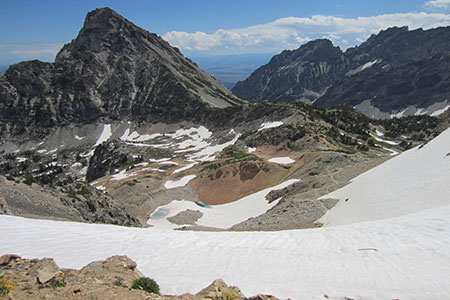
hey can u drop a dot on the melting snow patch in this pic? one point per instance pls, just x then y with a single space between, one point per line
184 168
179 183
269 124
142 164
159 160
136 137
440 111
121 175
169 163
251 149
101 188
21 159
209 153
79 138
106 134
369 64
282 160
384 141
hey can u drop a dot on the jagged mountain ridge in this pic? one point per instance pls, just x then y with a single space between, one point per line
293 75
391 49
111 70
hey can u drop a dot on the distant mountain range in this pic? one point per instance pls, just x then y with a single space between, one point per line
389 74
231 68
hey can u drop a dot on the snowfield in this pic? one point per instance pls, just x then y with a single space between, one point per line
395 244
416 180
402 258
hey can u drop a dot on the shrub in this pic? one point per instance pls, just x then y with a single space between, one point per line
146 284
6 286
57 282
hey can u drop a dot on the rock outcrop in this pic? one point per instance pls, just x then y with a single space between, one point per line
108 279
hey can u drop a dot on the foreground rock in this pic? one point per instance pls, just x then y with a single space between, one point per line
108 279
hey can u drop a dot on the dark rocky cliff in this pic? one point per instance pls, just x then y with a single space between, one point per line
294 75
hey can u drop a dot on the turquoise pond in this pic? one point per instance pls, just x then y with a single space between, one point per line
160 213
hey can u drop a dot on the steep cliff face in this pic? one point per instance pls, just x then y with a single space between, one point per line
422 84
393 71
112 70
398 45
297 75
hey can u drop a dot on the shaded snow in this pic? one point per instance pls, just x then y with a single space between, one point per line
440 111
369 64
178 183
105 135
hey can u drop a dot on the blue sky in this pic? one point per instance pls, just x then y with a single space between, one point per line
37 29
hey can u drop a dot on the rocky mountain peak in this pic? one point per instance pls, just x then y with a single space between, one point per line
112 70
104 30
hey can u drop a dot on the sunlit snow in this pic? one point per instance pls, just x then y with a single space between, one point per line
270 124
178 183
413 181
282 160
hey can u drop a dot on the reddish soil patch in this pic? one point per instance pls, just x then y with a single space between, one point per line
232 182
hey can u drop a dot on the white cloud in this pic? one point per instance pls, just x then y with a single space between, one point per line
291 32
12 53
438 4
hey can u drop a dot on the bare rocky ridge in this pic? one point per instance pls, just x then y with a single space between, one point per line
395 70
108 279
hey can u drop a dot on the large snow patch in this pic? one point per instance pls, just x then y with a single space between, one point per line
416 180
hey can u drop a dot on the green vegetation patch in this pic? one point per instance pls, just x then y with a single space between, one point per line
146 284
